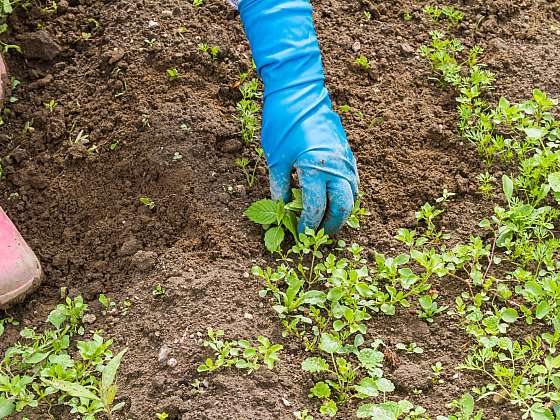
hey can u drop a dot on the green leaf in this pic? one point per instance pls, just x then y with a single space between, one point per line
534 133
542 310
329 344
73 389
509 315
321 390
36 358
273 238
57 316
368 387
385 385
110 371
290 222
314 297
262 212
507 185
314 365
374 411
370 358
6 408
554 181
329 408
539 412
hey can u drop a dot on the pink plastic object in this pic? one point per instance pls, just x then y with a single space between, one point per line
20 271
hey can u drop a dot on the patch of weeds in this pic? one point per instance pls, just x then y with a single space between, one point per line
50 368
212 52
197 3
453 15
429 308
107 304
50 104
248 107
242 354
162 416
466 410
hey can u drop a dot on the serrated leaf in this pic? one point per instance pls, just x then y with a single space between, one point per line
374 411
370 358
273 238
262 212
110 371
368 387
321 390
329 408
290 222
6 408
314 365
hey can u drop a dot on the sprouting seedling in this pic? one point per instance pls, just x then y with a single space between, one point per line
114 145
407 16
429 308
50 104
197 3
163 415
177 156
81 138
150 42
363 62
367 14
172 73
433 11
148 202
244 164
213 52
486 186
411 348
345 108
158 290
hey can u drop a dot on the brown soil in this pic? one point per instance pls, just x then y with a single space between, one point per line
81 213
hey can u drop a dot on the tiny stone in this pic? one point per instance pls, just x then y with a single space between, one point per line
89 318
205 383
167 13
153 24
286 402
356 46
164 353
247 315
198 334
245 275
172 362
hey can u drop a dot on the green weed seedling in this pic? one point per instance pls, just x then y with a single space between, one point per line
242 354
429 308
106 303
162 416
172 73
213 52
437 368
7 321
197 3
367 15
52 368
148 202
250 173
50 104
411 348
453 15
363 62
465 407
303 415
158 290
248 107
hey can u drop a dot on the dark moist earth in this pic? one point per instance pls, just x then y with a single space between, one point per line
81 212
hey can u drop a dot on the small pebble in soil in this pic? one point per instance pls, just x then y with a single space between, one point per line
153 24
172 362
286 402
164 353
245 275
89 318
247 315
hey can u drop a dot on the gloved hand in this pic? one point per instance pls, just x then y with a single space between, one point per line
300 130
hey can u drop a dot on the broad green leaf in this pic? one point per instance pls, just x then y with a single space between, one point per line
507 185
1 329
374 411
368 387
290 222
370 358
321 390
542 310
385 385
262 212
314 365
329 343
510 315
539 412
329 408
554 181
110 371
314 297
57 316
36 358
534 133
273 238
73 389
6 408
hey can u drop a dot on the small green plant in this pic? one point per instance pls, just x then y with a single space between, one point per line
449 12
465 407
163 415
411 348
437 368
429 308
7 321
250 173
407 16
172 73
486 186
126 306
150 42
213 52
158 290
50 104
148 202
367 15
197 3
344 109
242 354
45 368
362 62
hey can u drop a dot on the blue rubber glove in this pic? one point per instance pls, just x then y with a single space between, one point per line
300 130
